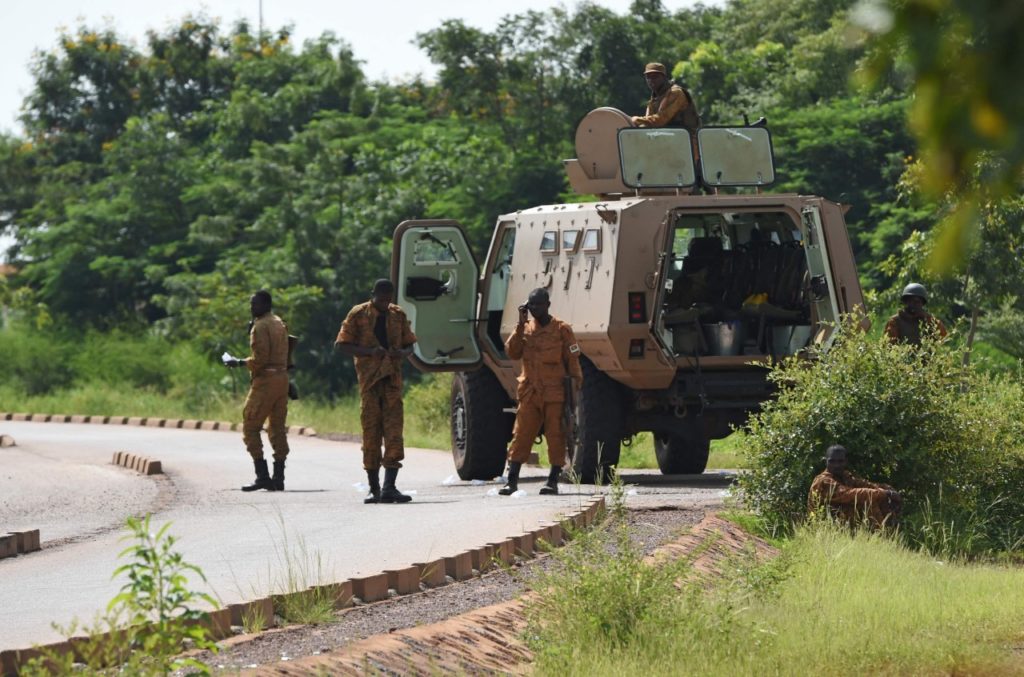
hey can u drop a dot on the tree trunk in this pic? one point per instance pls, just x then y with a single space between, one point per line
975 313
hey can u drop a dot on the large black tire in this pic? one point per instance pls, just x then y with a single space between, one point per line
679 455
480 429
601 418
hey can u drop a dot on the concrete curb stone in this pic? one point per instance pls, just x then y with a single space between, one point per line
370 588
432 573
404 581
460 566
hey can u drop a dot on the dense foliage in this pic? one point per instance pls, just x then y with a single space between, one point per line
158 186
950 438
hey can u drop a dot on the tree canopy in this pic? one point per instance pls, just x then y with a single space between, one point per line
159 186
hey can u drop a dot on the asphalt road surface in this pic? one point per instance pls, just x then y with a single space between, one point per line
59 479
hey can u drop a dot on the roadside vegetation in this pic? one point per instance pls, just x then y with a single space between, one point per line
148 625
831 603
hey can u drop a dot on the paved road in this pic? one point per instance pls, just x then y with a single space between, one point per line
59 479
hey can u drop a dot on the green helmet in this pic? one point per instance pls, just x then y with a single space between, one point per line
914 289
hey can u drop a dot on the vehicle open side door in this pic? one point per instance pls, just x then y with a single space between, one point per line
821 286
435 278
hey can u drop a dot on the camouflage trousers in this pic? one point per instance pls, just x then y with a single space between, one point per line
381 416
268 398
533 413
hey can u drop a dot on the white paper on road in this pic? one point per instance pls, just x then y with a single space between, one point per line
493 491
452 480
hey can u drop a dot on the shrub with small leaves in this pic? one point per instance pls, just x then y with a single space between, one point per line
913 417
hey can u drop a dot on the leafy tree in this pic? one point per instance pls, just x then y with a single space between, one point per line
960 55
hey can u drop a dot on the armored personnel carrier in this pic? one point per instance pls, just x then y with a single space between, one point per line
679 292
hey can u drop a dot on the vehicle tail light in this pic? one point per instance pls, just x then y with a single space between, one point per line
637 307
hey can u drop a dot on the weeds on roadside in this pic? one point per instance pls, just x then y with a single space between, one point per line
301 599
600 589
148 624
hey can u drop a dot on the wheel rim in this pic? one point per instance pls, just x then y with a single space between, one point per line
459 429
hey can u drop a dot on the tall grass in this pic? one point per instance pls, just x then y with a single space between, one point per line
834 604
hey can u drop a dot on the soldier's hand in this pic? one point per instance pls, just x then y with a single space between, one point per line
524 315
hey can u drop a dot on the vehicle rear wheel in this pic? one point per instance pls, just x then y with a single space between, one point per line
480 429
601 419
679 455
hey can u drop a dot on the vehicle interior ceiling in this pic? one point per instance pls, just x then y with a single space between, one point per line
736 285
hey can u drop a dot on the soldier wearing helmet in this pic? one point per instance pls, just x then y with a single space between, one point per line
548 349
670 105
913 321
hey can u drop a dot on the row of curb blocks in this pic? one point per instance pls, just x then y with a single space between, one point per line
18 543
177 423
376 587
140 464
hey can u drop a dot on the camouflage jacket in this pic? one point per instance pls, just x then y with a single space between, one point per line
906 328
357 329
672 107
844 494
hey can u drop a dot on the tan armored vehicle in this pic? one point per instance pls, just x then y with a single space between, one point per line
675 295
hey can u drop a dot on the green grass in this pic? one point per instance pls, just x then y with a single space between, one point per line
725 453
831 604
426 413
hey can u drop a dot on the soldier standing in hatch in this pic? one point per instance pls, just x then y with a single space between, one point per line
268 391
378 337
908 325
549 352
670 104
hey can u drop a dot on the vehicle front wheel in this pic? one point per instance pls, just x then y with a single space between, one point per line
481 431
601 419
679 455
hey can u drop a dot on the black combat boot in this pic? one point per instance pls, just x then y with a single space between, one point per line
551 487
373 477
278 475
263 480
512 485
389 494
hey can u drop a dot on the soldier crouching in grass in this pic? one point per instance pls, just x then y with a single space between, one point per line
378 337
850 498
548 349
268 391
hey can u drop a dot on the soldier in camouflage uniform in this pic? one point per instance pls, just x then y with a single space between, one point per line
670 104
268 391
378 337
549 352
908 325
850 498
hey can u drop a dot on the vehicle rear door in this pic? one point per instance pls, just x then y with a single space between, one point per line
821 285
436 278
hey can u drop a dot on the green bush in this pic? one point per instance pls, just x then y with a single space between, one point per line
946 436
427 411
119 358
36 362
